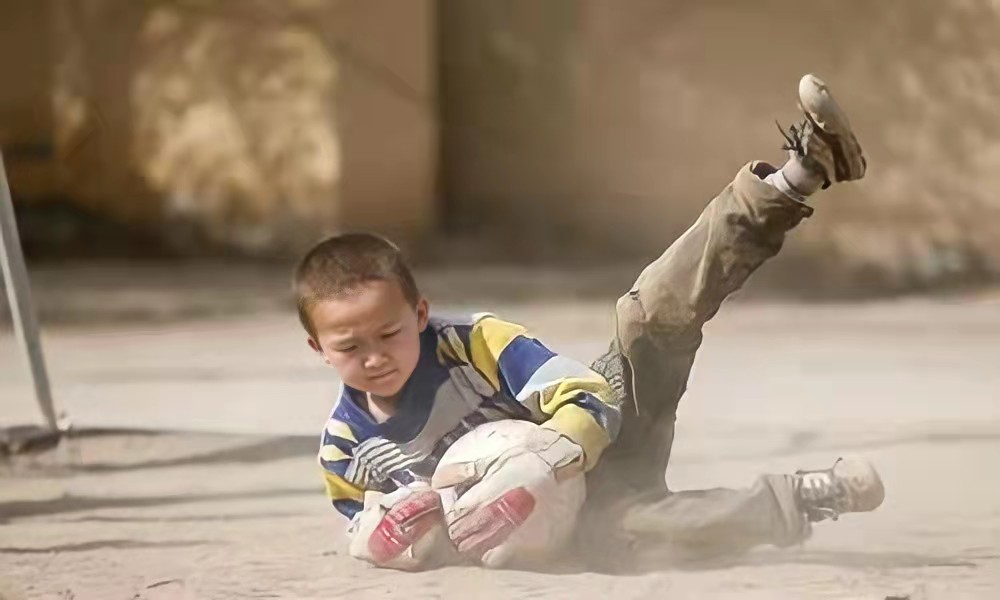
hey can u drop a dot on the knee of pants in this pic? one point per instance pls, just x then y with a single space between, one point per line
674 329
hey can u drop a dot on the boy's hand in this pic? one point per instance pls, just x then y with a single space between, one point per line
494 495
404 529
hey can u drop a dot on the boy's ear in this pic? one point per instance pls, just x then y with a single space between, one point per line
423 313
317 349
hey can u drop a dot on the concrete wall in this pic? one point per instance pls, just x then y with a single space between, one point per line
638 111
257 126
388 115
571 127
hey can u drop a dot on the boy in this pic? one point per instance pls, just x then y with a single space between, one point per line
412 385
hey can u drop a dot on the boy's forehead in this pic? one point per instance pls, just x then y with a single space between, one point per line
371 303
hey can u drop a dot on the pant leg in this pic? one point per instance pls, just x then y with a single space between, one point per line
659 323
660 319
718 522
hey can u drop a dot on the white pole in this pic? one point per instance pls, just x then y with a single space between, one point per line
15 275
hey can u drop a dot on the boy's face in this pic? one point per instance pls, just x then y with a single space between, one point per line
371 336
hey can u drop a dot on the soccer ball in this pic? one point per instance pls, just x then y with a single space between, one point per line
493 483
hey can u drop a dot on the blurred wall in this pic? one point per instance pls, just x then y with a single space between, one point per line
578 128
610 124
26 96
251 124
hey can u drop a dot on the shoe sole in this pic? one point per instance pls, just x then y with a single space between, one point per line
817 100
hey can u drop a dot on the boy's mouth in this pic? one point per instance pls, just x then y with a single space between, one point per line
382 376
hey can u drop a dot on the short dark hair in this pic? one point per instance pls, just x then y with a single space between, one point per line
341 263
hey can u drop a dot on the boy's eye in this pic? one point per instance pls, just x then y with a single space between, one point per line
390 334
347 349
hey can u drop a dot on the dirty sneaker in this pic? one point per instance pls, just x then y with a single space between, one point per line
824 141
851 485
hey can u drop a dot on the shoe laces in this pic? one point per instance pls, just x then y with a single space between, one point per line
793 138
822 494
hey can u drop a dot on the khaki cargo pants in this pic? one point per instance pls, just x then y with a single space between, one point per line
658 333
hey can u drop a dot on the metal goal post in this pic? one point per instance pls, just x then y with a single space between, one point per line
15 276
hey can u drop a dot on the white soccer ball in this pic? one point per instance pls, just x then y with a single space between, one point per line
498 453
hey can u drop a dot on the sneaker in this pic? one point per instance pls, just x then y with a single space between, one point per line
851 485
824 141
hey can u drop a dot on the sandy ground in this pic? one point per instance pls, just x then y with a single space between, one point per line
225 501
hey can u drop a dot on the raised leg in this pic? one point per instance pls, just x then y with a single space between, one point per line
661 317
659 330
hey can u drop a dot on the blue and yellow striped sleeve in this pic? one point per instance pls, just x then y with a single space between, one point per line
334 457
570 398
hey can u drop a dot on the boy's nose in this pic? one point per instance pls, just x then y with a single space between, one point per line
376 360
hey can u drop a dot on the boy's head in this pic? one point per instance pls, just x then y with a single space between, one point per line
360 306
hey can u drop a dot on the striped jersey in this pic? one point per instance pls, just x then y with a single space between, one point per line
469 372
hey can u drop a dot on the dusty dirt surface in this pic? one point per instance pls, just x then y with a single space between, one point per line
224 500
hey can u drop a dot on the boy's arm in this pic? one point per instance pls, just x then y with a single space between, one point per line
576 401
335 457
